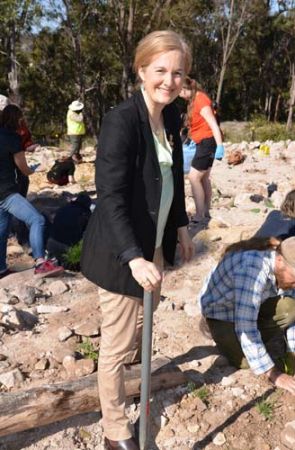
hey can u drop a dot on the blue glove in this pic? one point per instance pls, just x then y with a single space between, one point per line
219 152
33 167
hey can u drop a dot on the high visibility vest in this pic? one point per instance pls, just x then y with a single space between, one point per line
74 127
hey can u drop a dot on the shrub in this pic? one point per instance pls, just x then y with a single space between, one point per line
71 259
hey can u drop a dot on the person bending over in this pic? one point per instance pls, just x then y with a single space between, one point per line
248 299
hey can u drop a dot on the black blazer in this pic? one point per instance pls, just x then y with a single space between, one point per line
129 183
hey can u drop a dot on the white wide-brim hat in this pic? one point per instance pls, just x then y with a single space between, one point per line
76 105
4 101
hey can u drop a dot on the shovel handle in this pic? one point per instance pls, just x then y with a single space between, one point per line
146 355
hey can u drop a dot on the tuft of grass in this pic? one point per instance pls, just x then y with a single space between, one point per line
255 210
71 259
87 349
268 203
202 393
265 408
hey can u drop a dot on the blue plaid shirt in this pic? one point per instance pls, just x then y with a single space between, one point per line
234 292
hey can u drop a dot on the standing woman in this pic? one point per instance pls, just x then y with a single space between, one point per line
205 131
139 217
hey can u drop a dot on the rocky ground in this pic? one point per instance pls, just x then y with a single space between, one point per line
49 327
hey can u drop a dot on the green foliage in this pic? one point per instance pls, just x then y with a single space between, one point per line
265 408
71 259
263 130
87 349
202 393
288 363
255 210
268 203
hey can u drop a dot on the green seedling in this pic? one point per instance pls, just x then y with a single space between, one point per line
288 363
255 210
265 408
202 393
87 349
268 203
71 259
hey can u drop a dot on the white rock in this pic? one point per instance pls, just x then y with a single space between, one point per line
12 378
58 287
227 381
48 309
219 439
64 333
237 391
192 310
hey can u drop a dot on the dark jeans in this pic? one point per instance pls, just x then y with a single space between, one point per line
76 144
225 336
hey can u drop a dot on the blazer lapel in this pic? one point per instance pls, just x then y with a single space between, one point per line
146 129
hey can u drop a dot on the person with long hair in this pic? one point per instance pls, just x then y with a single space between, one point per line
139 216
280 222
205 132
12 203
248 298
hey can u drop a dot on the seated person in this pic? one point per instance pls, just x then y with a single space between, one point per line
69 225
280 223
245 303
62 172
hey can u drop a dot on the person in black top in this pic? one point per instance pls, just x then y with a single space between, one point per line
62 172
12 204
69 225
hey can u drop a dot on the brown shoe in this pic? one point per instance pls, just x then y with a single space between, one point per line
127 444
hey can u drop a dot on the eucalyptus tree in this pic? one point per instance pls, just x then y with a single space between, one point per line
17 17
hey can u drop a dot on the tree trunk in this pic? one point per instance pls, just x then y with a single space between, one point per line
50 403
277 107
13 73
292 98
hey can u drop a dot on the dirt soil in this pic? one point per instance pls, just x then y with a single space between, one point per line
219 407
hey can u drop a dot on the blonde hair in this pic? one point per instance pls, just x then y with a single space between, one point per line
159 42
288 205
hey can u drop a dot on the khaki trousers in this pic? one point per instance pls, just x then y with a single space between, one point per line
121 330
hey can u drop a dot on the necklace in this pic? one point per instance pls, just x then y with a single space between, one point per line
158 130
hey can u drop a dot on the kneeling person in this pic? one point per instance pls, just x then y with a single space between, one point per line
250 297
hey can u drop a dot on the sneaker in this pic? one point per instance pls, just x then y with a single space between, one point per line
5 273
48 268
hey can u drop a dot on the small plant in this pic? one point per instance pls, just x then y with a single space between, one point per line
255 210
71 259
87 349
288 363
268 203
202 393
265 408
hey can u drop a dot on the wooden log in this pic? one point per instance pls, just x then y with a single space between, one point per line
45 404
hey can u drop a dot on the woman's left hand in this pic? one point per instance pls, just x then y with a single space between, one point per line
187 248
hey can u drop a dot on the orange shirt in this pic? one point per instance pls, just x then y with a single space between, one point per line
199 128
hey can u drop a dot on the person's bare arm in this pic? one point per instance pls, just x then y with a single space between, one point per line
21 163
281 380
207 113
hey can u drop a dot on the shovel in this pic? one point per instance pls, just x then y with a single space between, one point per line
146 369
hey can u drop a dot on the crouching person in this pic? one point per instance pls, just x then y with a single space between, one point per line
249 298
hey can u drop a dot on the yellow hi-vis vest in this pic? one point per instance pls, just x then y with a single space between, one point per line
74 127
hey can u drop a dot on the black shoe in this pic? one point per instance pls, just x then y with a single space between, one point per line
127 444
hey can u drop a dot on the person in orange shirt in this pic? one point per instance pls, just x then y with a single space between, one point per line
205 131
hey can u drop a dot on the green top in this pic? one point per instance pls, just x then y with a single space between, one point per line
164 153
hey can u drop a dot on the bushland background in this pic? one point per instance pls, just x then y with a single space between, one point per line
54 51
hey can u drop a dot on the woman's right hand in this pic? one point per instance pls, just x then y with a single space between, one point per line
146 273
282 380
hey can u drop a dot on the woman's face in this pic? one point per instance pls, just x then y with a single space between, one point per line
163 77
186 93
